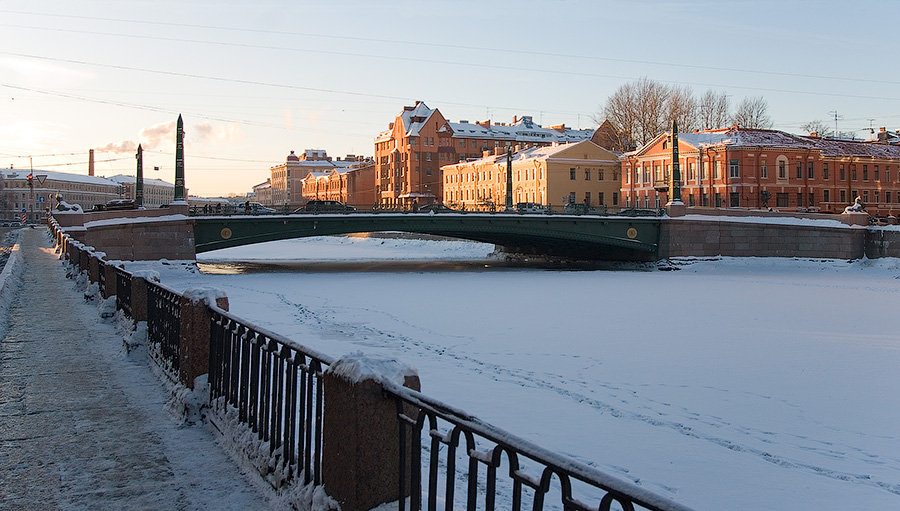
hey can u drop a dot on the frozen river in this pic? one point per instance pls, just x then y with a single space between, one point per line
747 384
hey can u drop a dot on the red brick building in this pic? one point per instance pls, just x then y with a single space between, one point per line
354 186
750 168
286 181
410 153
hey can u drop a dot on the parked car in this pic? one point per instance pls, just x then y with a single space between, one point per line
577 208
120 204
436 208
530 207
256 208
640 212
330 206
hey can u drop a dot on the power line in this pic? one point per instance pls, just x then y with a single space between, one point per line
426 44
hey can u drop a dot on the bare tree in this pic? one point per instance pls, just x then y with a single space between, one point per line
712 110
753 113
682 107
818 127
639 109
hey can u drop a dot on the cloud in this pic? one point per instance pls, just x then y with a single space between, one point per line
125 146
154 135
208 132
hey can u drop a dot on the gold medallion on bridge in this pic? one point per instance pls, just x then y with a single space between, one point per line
631 233
226 233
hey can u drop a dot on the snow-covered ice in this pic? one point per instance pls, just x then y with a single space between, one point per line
733 383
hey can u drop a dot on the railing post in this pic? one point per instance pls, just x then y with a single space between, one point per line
94 266
195 319
138 298
109 279
361 444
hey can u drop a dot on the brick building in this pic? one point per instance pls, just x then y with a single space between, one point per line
354 185
286 181
581 172
410 153
751 168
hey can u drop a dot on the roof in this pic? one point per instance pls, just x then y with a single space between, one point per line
58 176
734 138
532 153
121 178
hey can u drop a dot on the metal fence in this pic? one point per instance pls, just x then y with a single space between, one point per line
276 388
530 471
164 324
123 292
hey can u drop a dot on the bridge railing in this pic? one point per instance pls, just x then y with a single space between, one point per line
123 292
275 388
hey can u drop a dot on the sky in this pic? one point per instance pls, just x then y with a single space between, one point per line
254 81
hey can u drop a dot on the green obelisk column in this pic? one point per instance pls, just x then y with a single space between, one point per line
139 179
179 162
509 188
676 169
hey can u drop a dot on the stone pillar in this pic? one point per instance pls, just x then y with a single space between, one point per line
93 267
195 317
138 298
855 218
361 446
109 274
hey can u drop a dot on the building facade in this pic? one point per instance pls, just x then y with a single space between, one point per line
354 186
286 181
156 191
410 153
560 174
751 168
36 198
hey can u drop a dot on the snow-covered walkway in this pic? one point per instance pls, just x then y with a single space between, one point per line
82 423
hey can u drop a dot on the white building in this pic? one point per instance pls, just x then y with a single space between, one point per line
17 196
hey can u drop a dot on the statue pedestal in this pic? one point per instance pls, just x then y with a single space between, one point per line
676 209
855 218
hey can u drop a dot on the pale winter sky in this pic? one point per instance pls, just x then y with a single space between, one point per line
257 80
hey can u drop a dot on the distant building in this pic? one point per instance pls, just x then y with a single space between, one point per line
752 168
581 172
263 192
354 185
16 195
286 180
156 191
409 154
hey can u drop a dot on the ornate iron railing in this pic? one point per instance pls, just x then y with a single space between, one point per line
276 387
123 291
164 324
101 278
531 471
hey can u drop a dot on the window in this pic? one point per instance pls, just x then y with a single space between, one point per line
877 196
853 176
718 198
865 172
646 174
615 198
875 171
734 169
826 195
799 199
825 174
690 171
843 196
843 173
427 156
587 198
865 195
810 170
412 140
812 198
587 174
799 170
717 169
782 169
781 200
764 169
600 198
571 197
572 174
704 199
691 200
735 199
887 197
887 173
600 175
702 171
462 144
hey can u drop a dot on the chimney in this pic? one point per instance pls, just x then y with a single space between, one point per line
90 162
515 119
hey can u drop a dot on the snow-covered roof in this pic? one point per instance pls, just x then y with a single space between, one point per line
532 153
523 130
57 176
123 179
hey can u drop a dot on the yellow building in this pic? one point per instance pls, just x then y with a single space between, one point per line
556 175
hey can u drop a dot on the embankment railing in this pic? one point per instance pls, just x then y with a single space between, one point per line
276 388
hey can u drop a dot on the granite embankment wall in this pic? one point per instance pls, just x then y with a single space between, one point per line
719 237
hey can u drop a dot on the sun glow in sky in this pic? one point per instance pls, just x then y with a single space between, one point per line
257 80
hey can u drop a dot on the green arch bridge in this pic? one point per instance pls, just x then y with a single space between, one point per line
580 237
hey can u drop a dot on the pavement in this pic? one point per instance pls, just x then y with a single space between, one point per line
83 422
